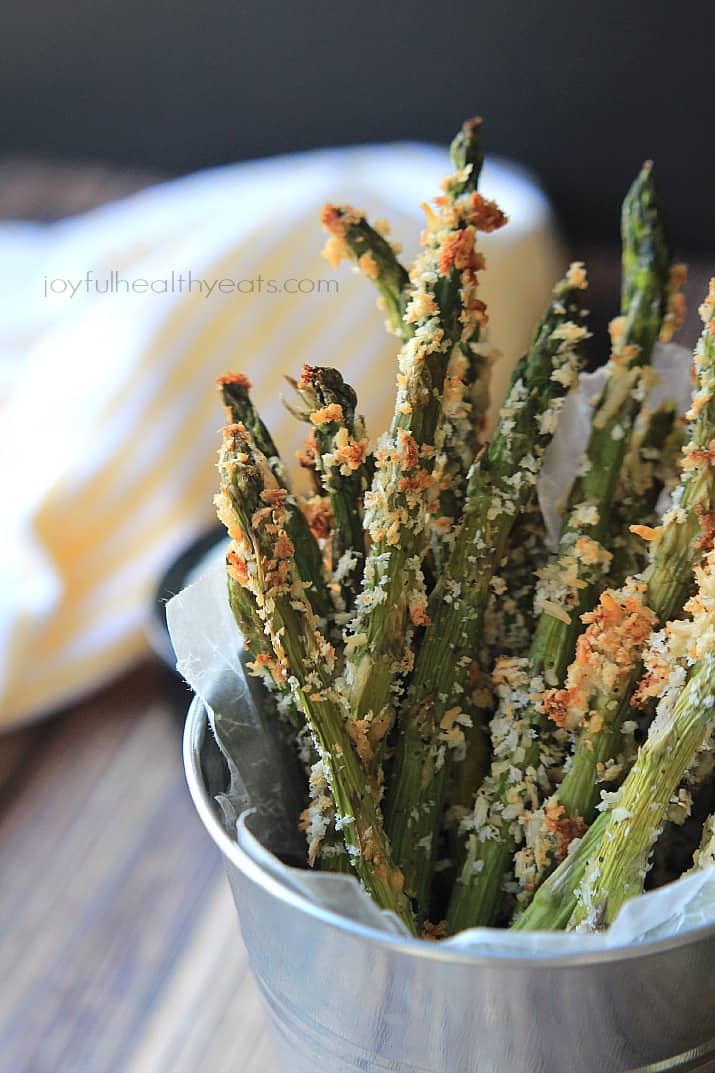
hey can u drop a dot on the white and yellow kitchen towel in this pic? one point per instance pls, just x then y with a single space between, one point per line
113 327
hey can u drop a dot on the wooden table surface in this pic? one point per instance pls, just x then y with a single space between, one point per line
119 946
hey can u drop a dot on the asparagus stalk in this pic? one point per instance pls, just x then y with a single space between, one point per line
326 846
619 863
566 590
340 451
596 698
250 625
500 484
353 238
508 627
324 842
510 618
235 393
444 311
521 772
467 776
649 465
569 584
608 865
235 390
466 395
254 507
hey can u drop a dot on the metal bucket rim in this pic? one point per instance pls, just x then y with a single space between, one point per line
194 731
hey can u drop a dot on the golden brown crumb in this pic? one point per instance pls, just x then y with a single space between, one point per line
306 454
617 630
328 414
646 532
234 378
562 827
368 265
486 215
319 516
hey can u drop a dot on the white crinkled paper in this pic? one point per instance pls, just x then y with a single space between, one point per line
672 365
266 787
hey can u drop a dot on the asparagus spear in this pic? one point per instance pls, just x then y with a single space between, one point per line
325 845
651 462
568 585
596 698
500 484
235 393
254 507
649 465
235 390
353 238
619 863
510 619
250 625
608 865
340 456
324 842
467 776
466 396
508 626
444 311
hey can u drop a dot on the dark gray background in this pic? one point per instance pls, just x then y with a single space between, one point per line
583 92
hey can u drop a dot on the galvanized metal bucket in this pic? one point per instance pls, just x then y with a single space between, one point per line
342 997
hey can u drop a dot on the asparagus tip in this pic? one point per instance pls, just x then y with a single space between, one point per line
239 379
466 148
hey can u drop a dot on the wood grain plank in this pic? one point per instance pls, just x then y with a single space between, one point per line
209 1018
119 945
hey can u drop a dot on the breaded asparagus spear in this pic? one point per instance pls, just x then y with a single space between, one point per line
501 482
465 398
569 584
254 508
609 863
685 715
649 465
566 590
466 392
235 391
444 311
340 452
595 700
263 662
510 617
353 238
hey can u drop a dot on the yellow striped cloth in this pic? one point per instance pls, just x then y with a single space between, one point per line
108 428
